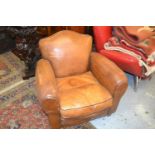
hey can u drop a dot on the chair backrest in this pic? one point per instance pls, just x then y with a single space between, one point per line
67 51
101 35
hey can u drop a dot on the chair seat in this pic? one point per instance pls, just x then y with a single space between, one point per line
82 95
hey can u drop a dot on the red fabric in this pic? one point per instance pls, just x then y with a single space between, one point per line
101 35
135 51
113 41
124 61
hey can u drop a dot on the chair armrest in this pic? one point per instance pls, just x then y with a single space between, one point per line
110 76
46 87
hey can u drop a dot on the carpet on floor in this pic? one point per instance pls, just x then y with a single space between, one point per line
19 107
11 70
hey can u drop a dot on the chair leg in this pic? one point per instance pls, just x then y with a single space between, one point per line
136 80
54 121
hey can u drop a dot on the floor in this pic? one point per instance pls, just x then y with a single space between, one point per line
135 110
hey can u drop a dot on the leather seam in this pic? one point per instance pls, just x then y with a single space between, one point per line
81 117
86 106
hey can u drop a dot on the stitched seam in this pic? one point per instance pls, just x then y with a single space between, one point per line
86 106
81 117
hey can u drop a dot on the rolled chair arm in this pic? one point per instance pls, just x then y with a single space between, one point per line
46 86
110 76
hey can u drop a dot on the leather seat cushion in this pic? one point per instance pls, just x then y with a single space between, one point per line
82 95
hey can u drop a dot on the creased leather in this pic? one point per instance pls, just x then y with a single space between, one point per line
109 75
84 95
67 51
46 83
47 92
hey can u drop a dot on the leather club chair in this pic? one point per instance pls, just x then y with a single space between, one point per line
74 84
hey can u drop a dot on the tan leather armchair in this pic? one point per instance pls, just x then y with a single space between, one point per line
74 84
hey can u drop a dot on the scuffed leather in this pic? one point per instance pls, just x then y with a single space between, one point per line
46 84
75 81
110 76
47 92
82 95
67 51
71 97
79 120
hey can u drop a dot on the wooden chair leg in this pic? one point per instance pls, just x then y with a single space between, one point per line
54 121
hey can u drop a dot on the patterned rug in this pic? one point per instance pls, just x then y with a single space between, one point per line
19 107
11 70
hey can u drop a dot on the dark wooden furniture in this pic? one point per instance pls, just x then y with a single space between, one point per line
27 38
49 30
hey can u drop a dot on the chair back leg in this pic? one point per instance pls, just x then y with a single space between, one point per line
136 81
